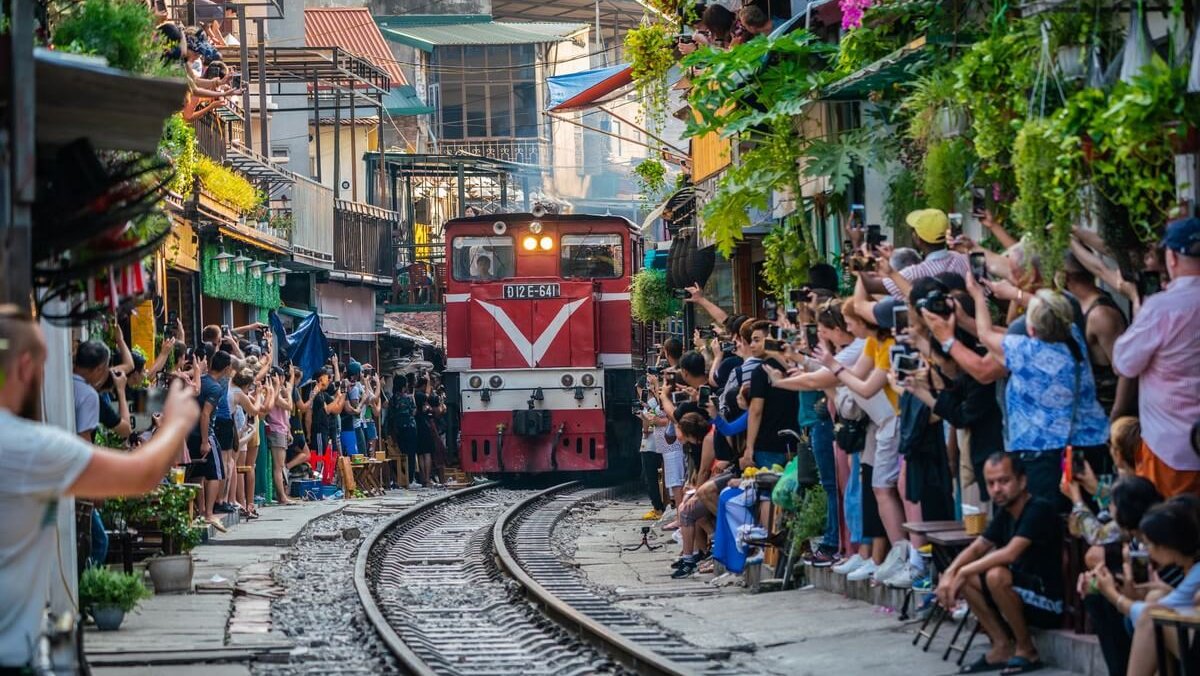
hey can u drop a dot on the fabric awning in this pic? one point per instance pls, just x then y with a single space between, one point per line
427 32
576 91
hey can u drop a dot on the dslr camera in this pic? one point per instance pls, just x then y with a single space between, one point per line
938 303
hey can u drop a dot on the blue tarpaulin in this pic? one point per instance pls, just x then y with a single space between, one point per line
580 90
305 347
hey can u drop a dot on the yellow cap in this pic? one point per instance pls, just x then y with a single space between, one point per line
929 224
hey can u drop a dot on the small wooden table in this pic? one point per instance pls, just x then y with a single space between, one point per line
368 476
927 527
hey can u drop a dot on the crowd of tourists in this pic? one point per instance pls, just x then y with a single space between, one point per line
918 384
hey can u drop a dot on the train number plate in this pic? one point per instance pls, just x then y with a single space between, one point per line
531 291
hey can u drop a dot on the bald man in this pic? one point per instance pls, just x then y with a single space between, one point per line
40 463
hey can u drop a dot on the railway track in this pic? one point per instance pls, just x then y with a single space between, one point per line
469 584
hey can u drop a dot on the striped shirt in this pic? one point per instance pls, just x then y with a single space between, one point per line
935 263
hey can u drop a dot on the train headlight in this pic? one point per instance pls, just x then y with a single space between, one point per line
535 227
568 380
588 380
495 382
546 242
530 243
475 382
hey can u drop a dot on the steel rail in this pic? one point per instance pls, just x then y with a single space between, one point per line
620 648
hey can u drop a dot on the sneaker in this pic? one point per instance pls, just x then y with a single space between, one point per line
896 559
901 580
821 559
652 515
849 565
960 611
863 572
685 569
415 485
923 584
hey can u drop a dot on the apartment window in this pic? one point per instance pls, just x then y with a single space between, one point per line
485 92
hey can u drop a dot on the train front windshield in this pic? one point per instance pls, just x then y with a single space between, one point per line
591 256
482 259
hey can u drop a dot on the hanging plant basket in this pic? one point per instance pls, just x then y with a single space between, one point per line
1070 62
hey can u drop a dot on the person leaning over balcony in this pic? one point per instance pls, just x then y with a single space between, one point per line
1162 349
41 463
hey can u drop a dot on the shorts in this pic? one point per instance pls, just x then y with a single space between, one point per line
1040 611
406 441
673 469
370 431
349 443
201 468
693 513
276 440
1168 480
226 435
886 467
769 458
299 441
721 480
872 524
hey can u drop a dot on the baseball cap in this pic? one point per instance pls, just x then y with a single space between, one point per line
353 368
929 224
1183 237
884 318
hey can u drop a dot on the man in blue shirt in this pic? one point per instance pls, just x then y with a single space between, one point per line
214 430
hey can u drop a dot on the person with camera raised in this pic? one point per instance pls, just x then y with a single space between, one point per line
930 227
1050 397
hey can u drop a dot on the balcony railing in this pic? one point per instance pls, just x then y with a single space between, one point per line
363 239
521 150
312 223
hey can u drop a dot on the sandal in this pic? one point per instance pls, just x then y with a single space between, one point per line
1021 665
216 523
705 567
981 665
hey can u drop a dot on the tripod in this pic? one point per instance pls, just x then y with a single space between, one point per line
644 543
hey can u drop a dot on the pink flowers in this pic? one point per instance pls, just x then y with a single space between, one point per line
852 12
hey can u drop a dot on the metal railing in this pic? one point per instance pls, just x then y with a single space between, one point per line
363 238
312 233
521 150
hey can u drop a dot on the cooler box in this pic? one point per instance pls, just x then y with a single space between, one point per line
306 488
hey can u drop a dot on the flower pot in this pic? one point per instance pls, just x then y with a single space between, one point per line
171 574
949 123
1185 138
1070 62
108 618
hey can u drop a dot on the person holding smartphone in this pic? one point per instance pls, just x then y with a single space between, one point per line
929 227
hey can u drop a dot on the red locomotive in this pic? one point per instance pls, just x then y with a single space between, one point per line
540 344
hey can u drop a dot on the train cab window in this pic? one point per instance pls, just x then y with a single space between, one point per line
591 256
482 259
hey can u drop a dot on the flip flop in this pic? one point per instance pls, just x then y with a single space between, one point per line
216 523
981 665
1021 665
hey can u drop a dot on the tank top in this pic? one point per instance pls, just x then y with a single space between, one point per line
239 414
1106 379
277 420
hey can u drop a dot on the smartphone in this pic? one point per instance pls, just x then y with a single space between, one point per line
792 314
777 332
894 355
728 346
771 308
899 318
706 332
847 246
810 336
801 295
225 330
908 363
773 345
979 266
678 397
236 81
956 224
874 236
1149 283
1139 563
862 264
858 213
1078 460
705 393
978 203
172 316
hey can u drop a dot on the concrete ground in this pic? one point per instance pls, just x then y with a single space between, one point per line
786 632
227 619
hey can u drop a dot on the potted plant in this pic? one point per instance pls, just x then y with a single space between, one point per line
108 595
172 572
650 299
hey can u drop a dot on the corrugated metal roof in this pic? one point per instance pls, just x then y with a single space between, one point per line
426 32
352 29
403 100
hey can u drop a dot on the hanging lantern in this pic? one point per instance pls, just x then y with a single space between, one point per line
281 277
239 264
256 269
1193 85
222 260
269 274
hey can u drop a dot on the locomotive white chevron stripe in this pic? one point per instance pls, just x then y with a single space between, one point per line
532 352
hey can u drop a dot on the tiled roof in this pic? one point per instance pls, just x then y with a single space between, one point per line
352 29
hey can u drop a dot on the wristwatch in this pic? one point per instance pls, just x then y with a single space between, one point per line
947 344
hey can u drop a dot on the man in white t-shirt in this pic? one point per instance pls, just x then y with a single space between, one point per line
39 464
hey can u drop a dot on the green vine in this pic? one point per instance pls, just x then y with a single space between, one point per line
1035 159
228 186
786 259
947 167
178 144
650 48
651 176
